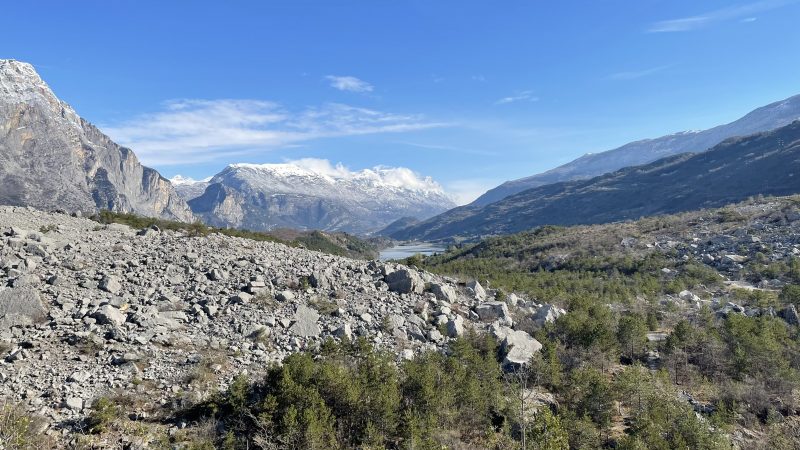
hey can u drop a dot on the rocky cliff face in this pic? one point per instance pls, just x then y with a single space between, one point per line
766 118
50 158
268 196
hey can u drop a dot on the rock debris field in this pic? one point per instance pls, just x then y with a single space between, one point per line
86 309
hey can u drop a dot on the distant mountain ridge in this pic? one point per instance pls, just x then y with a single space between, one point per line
189 188
50 158
765 163
636 153
294 195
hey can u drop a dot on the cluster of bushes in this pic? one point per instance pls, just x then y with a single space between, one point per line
340 244
351 396
541 275
760 268
747 368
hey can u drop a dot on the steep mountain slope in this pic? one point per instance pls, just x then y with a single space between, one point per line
189 188
398 225
766 118
765 163
268 196
50 158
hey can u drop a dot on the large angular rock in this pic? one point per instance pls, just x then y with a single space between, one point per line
20 307
455 327
395 321
109 315
478 291
548 313
688 296
517 346
110 284
285 296
491 311
305 322
444 292
405 281
344 332
320 280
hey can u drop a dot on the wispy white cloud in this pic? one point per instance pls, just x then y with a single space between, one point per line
519 96
720 15
195 131
635 74
348 83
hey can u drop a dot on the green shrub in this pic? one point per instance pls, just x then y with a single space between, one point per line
349 395
791 294
104 413
19 430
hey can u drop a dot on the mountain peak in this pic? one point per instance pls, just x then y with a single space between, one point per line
17 77
394 177
315 194
21 83
180 180
52 159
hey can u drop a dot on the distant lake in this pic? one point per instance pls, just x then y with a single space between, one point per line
404 251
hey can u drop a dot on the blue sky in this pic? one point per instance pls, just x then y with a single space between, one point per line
471 93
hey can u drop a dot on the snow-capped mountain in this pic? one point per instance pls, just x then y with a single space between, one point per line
51 158
189 188
313 194
769 117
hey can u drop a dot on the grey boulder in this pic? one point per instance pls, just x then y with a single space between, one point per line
109 315
405 281
517 346
20 307
305 322
110 284
548 313
444 292
789 314
478 290
491 311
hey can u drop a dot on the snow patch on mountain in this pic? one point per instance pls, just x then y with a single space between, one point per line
313 193
189 188
398 177
180 179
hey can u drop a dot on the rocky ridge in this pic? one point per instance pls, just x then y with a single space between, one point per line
762 119
763 163
51 158
88 309
263 197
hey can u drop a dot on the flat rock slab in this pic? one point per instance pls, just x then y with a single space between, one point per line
20 307
305 322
